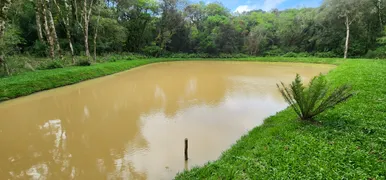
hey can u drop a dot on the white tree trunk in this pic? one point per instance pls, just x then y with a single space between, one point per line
53 29
69 39
347 37
85 29
3 19
380 13
50 39
95 37
38 21
66 20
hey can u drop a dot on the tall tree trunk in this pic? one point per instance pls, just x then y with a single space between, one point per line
69 39
85 29
38 21
86 47
96 36
66 20
50 39
380 13
347 37
3 19
68 31
53 29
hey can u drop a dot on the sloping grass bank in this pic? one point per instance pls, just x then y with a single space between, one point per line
31 82
349 144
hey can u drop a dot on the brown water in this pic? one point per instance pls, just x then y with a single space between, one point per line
132 125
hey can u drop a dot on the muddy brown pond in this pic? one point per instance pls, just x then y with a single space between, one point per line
132 125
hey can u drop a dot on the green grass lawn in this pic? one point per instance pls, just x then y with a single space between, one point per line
350 143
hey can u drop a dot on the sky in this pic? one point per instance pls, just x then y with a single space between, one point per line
248 5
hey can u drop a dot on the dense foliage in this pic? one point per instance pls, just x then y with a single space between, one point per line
154 27
60 29
310 101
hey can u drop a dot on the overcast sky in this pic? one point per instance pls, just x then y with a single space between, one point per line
247 5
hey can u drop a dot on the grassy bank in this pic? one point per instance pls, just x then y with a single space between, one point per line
349 144
31 82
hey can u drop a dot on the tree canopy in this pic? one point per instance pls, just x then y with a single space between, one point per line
52 28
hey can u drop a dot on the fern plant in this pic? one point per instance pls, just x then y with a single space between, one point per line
310 101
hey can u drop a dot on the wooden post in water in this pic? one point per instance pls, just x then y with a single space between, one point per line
186 149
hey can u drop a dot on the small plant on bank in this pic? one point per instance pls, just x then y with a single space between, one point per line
310 101
55 64
83 62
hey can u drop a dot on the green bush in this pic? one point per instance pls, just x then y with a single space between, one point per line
325 54
379 53
303 54
55 64
310 101
83 62
152 50
135 57
240 56
39 49
290 54
177 55
274 52
225 56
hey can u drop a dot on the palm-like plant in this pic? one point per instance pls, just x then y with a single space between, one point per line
310 101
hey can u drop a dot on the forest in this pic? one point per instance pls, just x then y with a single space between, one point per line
80 31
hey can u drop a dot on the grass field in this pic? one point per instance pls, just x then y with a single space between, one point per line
350 142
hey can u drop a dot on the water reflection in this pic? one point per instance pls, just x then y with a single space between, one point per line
132 125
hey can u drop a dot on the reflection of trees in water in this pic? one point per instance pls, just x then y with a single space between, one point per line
82 133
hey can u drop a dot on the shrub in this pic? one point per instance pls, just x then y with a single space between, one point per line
275 51
202 55
152 50
325 54
83 62
379 53
131 56
303 54
315 99
240 56
39 49
55 64
178 55
290 54
225 56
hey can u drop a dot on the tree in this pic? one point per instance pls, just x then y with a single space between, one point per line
138 17
84 20
38 19
4 6
257 40
347 10
170 21
41 6
64 14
